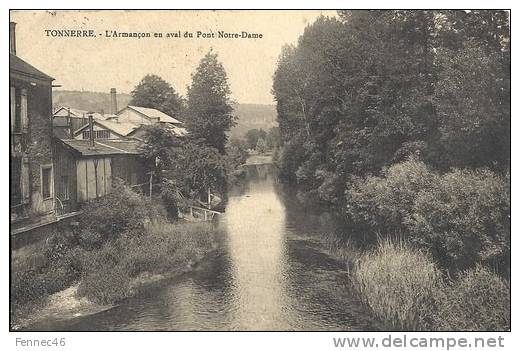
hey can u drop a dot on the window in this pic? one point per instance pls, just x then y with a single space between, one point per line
46 173
64 184
17 124
16 185
18 110
98 134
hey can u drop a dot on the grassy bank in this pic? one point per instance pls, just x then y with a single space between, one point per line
122 242
406 290
120 267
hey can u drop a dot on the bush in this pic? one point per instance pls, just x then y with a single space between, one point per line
400 285
164 248
382 204
478 300
27 286
405 289
170 197
121 211
463 218
106 285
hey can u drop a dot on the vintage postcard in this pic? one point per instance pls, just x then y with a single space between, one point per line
274 170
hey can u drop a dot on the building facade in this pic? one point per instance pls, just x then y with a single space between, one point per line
31 159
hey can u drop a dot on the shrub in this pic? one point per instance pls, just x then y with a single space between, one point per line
478 300
106 285
163 248
121 211
170 197
27 286
463 218
378 204
400 285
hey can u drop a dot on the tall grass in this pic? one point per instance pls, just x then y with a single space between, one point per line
164 249
399 285
406 290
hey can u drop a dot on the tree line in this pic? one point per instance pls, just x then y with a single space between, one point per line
187 166
372 104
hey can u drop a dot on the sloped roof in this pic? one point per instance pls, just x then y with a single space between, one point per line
74 112
105 147
153 113
18 65
121 128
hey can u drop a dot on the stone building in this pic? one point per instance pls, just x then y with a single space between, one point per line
32 175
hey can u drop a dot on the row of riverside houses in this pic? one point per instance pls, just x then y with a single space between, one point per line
60 160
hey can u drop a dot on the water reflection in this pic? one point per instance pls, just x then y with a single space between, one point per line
255 243
270 273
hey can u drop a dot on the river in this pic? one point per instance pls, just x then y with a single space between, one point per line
270 272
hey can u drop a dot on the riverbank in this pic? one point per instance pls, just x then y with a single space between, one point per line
122 244
405 289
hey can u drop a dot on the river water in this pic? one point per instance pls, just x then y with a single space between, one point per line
270 272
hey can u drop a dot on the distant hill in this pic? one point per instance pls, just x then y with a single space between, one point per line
250 116
253 116
87 100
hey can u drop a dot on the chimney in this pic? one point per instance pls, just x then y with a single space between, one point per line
91 130
12 38
113 101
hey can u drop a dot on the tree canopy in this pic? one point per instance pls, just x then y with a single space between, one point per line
154 92
366 90
209 110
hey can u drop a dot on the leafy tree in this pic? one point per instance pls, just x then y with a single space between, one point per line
261 146
209 111
252 137
184 166
157 146
236 153
273 138
153 92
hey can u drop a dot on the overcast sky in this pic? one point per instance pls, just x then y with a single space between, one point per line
100 63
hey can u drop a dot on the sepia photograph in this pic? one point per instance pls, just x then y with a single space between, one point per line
260 170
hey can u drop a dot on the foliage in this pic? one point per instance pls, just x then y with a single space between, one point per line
236 152
464 218
186 165
432 84
461 217
478 300
400 285
155 149
119 212
164 248
153 92
384 204
209 110
252 136
273 138
261 146
406 291
195 167
170 198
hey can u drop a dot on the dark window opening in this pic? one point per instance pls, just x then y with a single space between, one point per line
17 125
16 176
46 182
